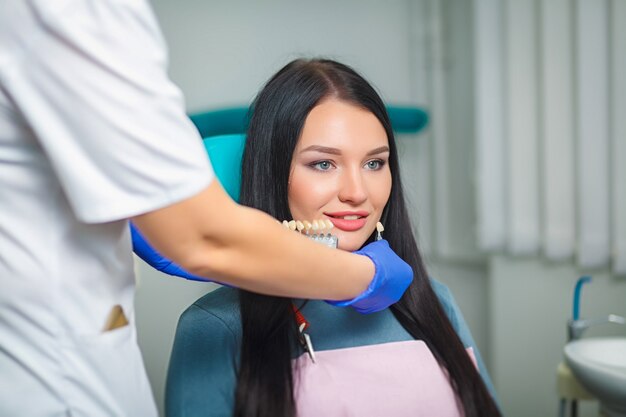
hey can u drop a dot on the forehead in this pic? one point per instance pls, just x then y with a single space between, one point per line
340 124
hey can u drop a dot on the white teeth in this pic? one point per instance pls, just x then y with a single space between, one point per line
351 217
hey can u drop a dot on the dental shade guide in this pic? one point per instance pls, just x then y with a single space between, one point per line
379 230
317 230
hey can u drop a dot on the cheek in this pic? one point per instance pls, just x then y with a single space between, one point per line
308 193
381 190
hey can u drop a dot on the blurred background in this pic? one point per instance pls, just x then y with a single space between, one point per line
517 185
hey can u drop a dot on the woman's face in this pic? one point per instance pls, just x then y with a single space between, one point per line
340 171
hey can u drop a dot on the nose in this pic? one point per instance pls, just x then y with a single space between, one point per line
352 187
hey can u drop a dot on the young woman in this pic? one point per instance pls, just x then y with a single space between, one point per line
320 146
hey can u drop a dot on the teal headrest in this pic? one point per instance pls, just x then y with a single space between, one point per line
404 119
225 153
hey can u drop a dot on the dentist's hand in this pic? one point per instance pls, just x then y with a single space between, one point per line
142 248
393 276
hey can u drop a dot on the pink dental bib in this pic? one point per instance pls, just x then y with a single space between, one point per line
391 379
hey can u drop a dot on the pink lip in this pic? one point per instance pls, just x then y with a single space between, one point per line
348 225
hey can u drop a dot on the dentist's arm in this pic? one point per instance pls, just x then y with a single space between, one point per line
211 236
149 255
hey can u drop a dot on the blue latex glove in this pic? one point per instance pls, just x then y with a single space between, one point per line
393 276
153 258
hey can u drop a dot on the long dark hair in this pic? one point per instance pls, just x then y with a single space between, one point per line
265 380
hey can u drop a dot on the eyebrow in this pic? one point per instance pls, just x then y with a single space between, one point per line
335 151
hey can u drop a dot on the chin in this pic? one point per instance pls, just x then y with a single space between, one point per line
350 245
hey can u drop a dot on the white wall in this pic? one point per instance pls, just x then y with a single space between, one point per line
223 51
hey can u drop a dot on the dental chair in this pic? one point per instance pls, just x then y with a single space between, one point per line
226 153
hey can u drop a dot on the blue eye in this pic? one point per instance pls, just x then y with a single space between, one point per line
322 165
375 164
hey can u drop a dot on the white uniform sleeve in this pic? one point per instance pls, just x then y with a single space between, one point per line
90 79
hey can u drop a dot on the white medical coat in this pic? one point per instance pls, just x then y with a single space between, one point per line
92 132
